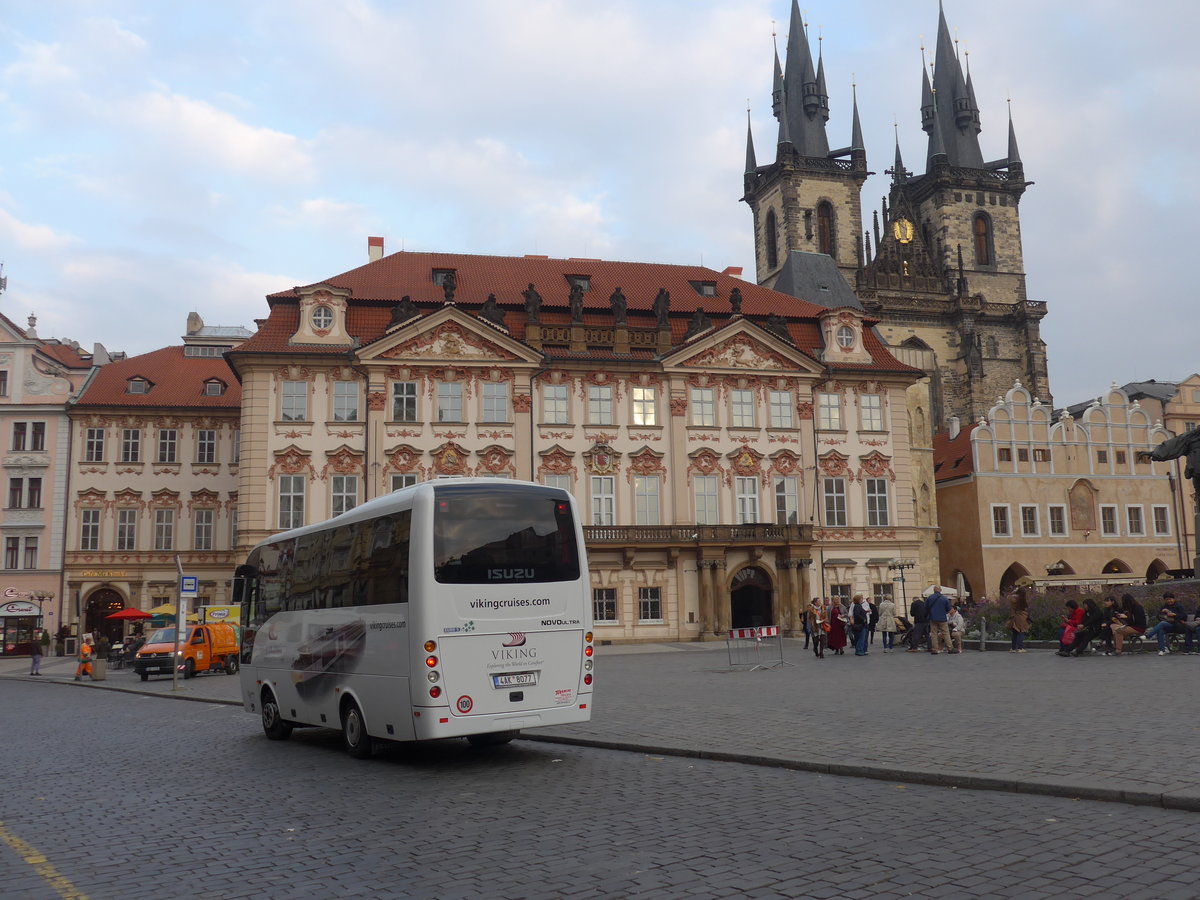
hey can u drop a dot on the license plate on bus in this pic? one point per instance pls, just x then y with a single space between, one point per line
514 679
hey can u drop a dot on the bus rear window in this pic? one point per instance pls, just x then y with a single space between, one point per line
491 536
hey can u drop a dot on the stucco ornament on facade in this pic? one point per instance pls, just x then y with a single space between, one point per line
601 459
449 341
645 462
291 461
739 352
450 459
557 461
343 461
876 465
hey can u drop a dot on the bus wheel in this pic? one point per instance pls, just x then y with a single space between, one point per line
231 665
358 743
273 723
492 739
189 669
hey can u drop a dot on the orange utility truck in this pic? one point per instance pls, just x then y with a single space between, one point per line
202 648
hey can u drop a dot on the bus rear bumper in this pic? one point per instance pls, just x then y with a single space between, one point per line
430 723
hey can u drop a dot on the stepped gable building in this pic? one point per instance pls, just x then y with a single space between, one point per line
941 265
734 451
37 379
154 475
1023 494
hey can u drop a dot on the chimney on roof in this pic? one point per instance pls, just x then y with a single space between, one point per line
194 323
955 427
374 249
735 271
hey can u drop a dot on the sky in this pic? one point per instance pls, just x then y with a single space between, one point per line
161 158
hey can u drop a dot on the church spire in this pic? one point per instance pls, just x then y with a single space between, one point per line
949 105
805 102
856 137
751 163
1014 155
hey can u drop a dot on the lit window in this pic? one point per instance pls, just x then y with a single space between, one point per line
829 412
644 412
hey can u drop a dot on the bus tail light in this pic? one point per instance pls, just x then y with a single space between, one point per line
587 679
588 637
588 651
435 692
587 665
431 661
433 677
430 646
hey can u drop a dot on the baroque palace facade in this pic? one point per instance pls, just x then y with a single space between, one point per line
734 451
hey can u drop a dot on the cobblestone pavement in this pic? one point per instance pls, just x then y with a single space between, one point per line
1031 722
211 808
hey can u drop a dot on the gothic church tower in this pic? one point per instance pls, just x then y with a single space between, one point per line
808 199
941 266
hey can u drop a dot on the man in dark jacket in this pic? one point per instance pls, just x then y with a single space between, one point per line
920 628
937 608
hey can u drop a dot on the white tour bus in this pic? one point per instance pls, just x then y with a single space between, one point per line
453 608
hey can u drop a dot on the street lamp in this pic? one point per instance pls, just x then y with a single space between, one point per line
899 565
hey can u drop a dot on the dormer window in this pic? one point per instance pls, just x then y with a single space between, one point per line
214 388
138 386
440 276
705 288
322 318
583 282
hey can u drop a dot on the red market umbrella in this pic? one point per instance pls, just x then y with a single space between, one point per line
129 613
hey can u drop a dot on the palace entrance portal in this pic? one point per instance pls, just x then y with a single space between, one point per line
750 598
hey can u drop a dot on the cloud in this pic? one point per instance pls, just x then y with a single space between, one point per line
36 239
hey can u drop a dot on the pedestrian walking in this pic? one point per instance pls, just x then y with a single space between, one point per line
887 623
85 659
919 632
873 624
35 656
817 624
1018 622
937 608
837 630
808 635
860 618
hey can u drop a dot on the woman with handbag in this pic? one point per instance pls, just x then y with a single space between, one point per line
1071 621
818 625
1018 622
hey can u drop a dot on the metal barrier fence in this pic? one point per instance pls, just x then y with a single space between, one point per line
755 648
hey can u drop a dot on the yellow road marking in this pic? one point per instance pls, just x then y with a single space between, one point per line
48 873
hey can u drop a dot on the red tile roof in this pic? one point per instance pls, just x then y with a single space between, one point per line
176 381
66 356
953 458
377 286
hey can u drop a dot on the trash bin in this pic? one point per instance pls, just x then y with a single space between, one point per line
99 669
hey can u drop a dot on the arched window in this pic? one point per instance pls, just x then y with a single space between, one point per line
983 240
825 242
772 240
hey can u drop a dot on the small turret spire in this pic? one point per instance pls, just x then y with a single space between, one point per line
856 137
751 163
1014 155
